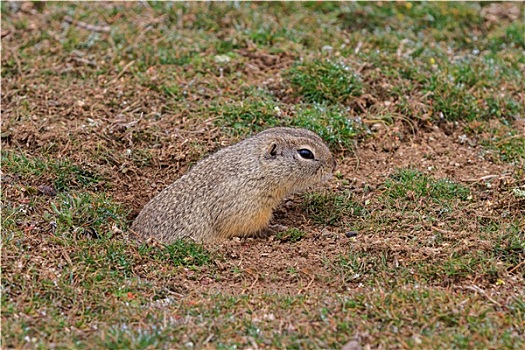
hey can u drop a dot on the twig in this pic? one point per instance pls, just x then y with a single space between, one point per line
87 26
66 256
121 72
517 266
251 286
15 51
506 139
208 339
178 295
254 282
445 232
83 60
357 161
482 292
307 286
487 177
358 47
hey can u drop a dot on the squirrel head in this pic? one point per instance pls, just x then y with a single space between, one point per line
296 157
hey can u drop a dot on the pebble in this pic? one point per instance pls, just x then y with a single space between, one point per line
351 234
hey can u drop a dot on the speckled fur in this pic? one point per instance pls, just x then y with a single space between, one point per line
234 191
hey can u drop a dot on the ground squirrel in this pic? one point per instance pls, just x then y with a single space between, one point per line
234 191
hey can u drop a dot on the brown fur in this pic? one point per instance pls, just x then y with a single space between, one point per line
234 191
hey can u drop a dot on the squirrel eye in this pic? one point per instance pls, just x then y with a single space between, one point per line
305 153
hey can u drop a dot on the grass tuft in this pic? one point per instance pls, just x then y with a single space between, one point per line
331 209
510 147
61 172
93 214
324 82
180 253
253 114
333 123
291 235
412 184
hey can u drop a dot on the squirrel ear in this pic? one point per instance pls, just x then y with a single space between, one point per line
272 151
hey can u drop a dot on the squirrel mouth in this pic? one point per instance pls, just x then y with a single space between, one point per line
326 176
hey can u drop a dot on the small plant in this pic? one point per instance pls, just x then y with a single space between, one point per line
324 81
511 246
451 100
511 147
93 214
291 235
266 36
63 173
412 184
180 253
361 266
332 123
330 208
251 115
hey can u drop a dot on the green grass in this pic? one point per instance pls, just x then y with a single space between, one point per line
324 82
256 112
291 235
510 147
333 123
394 266
413 185
414 203
259 111
413 17
503 142
451 100
332 209
63 174
510 247
95 278
388 312
180 253
86 214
